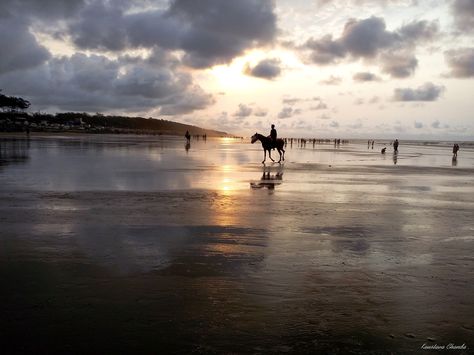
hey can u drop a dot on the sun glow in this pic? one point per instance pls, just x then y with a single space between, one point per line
232 78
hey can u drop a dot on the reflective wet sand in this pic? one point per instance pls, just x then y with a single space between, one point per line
138 244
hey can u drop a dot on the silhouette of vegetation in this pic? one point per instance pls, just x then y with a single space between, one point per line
14 119
12 103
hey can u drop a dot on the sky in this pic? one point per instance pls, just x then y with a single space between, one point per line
314 68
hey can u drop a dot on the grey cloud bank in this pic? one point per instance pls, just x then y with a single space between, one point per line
206 32
369 39
426 92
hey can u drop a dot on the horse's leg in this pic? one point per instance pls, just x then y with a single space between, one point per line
283 154
279 152
270 155
264 155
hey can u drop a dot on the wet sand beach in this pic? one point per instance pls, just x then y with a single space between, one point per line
124 244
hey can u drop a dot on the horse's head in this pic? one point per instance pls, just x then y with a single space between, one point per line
254 138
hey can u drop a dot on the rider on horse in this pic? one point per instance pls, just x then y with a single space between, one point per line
273 136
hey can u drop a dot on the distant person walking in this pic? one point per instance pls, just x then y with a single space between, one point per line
455 150
187 136
395 146
273 135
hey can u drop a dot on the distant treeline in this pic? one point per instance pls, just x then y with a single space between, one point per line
102 123
13 118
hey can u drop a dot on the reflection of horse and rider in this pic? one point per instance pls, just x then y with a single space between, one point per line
269 143
268 180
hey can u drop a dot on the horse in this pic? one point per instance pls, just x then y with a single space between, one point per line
267 144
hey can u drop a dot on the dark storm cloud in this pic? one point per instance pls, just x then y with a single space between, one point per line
20 50
40 9
463 12
426 92
265 69
100 26
461 62
370 40
208 31
96 83
365 76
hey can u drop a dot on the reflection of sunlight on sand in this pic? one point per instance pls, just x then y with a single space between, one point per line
227 185
227 140
223 208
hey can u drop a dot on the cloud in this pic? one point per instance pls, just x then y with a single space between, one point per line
320 106
369 39
265 69
463 12
194 98
260 112
325 50
334 124
243 111
356 125
398 65
41 10
384 3
96 83
461 62
435 124
291 100
374 100
426 92
332 80
20 50
324 117
287 112
418 125
365 76
209 32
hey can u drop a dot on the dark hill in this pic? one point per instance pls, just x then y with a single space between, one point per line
98 123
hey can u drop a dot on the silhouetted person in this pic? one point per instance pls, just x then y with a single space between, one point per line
455 150
383 150
187 136
395 146
373 144
273 136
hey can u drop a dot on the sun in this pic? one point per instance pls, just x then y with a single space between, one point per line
232 78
